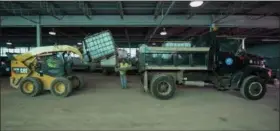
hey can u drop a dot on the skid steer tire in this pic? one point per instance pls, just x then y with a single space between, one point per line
253 88
162 81
31 86
61 87
77 81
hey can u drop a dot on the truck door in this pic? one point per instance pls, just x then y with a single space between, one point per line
227 61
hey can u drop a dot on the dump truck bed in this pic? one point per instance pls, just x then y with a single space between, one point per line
173 58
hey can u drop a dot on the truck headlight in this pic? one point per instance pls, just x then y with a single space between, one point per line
250 61
269 72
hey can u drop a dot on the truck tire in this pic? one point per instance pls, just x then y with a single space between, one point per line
253 88
31 86
61 87
162 86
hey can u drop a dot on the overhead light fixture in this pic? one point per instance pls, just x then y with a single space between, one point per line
163 32
196 3
52 33
79 43
9 43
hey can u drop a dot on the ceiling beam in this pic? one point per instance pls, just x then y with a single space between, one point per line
21 16
190 12
157 9
259 5
86 8
58 7
50 7
140 21
226 13
24 7
121 9
13 7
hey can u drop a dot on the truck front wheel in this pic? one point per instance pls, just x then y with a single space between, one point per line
163 87
253 88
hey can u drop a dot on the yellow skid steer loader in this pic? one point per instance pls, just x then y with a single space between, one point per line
45 68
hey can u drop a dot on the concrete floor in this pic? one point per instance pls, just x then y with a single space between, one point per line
103 105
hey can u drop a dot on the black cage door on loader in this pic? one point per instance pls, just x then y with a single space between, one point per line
51 65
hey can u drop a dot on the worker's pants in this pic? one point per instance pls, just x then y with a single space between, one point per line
123 80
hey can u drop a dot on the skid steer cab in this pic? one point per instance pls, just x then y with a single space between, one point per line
45 68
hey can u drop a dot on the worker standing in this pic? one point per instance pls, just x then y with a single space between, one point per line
123 67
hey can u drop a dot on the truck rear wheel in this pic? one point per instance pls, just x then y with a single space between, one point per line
163 87
253 88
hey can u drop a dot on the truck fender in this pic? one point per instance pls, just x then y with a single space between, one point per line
263 73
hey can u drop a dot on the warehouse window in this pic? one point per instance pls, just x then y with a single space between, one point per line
4 50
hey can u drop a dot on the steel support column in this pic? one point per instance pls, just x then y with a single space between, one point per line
38 35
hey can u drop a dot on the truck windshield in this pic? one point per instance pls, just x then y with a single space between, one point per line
230 45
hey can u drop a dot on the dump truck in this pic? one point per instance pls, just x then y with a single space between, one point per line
219 62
